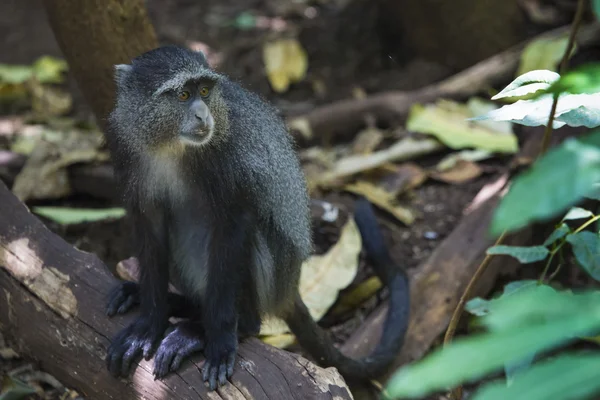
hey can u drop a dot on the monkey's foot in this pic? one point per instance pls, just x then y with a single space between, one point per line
220 359
187 338
123 298
140 338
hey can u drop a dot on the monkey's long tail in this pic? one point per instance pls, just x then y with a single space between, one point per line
317 341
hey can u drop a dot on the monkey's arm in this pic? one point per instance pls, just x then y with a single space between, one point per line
229 250
143 335
126 296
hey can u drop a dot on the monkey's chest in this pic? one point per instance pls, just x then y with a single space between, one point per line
189 237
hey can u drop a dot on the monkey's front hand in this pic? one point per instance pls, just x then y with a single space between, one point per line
141 337
186 339
220 354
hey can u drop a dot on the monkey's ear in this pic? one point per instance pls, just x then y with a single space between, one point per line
121 72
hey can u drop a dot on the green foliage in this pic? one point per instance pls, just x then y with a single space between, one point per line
585 79
596 8
528 84
66 215
572 376
556 181
14 389
586 247
577 213
523 254
45 69
531 321
535 93
560 232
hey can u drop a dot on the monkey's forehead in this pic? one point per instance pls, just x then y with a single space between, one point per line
182 77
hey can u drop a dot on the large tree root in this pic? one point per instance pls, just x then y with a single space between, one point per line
52 306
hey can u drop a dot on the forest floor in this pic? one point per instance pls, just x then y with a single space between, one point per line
346 56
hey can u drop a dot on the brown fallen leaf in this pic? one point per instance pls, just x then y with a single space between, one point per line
403 178
463 171
404 149
361 293
285 62
367 140
44 175
382 199
323 276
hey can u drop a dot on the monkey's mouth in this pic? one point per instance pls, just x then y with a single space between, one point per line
198 137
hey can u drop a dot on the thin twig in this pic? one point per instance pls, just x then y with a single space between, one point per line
562 69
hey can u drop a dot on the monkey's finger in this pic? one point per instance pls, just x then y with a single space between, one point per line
230 364
127 304
113 362
222 374
130 355
205 370
162 361
150 348
212 384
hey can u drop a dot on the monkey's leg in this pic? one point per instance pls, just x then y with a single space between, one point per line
143 335
185 339
229 251
126 295
249 318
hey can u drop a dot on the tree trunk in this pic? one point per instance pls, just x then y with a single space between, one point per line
94 35
454 33
52 307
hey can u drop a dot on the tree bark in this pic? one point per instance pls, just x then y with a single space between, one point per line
52 307
455 33
95 35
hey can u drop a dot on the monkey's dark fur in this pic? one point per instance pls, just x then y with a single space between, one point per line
220 208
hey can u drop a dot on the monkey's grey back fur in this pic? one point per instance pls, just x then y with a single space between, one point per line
251 164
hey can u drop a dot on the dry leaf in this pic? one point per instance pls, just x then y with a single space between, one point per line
285 62
404 149
463 171
367 140
44 174
402 178
323 276
361 293
448 121
382 199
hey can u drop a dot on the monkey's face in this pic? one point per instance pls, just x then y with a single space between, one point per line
197 122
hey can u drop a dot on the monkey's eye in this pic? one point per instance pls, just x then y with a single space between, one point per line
204 91
183 95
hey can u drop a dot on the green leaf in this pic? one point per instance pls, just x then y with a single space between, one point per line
577 213
48 69
14 389
513 369
450 124
528 84
586 247
567 376
478 306
66 216
543 53
560 232
572 110
474 357
15 74
596 8
523 254
245 20
584 79
560 178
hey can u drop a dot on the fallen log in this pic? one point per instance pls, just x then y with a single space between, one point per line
52 308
